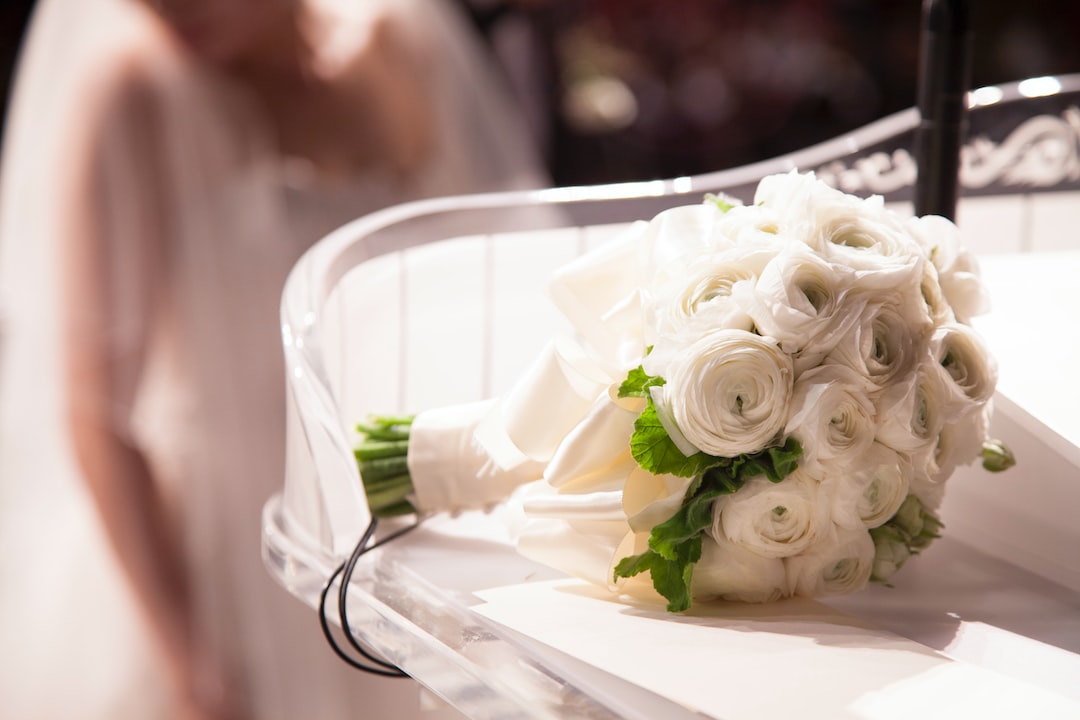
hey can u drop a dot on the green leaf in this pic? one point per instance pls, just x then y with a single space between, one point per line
675 544
688 523
638 382
719 201
775 463
654 450
672 577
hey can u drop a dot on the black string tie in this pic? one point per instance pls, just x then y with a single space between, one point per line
371 663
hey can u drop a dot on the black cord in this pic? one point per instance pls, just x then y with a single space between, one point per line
378 666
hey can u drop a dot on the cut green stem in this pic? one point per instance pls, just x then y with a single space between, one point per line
382 458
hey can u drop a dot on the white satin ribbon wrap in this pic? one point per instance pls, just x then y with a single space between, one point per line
552 397
455 466
474 455
599 293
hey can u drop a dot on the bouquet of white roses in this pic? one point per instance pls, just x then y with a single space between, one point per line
763 401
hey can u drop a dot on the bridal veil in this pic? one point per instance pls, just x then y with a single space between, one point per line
192 346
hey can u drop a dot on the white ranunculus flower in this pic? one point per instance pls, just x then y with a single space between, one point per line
708 282
958 271
911 414
842 564
937 306
860 233
675 240
924 486
883 346
965 363
959 443
930 492
699 302
870 239
721 314
795 197
730 572
729 392
772 519
872 492
832 417
803 302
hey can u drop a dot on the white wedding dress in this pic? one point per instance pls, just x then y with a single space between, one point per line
196 350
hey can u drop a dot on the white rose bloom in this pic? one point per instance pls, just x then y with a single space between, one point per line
772 519
832 417
911 414
871 494
884 346
730 572
729 392
803 302
840 565
958 271
965 363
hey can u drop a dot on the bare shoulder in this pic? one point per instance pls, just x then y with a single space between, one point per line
124 87
353 39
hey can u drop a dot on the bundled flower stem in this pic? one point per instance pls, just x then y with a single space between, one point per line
382 456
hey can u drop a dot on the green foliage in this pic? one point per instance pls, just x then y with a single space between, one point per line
638 382
675 544
720 201
907 533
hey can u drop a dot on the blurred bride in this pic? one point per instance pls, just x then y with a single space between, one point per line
166 164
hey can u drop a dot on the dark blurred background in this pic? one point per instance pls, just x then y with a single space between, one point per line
639 89
14 15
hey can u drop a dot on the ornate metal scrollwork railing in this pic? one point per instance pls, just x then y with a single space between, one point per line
1016 143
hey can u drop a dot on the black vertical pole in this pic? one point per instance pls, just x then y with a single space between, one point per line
943 82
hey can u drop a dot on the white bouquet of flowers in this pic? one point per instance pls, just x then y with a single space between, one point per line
762 401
